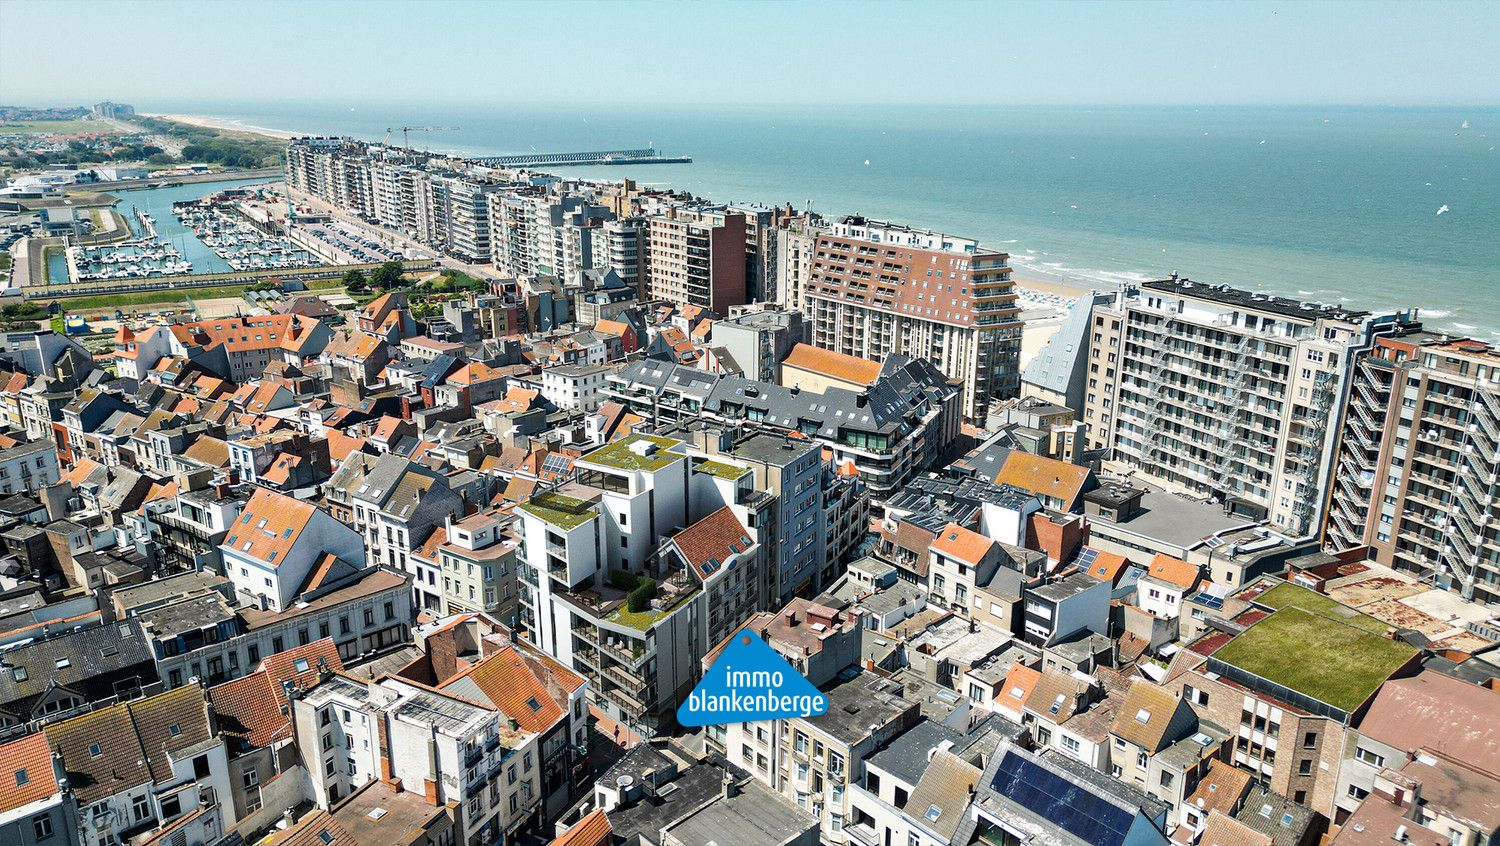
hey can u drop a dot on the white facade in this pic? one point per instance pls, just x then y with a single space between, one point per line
1159 597
278 581
28 467
575 387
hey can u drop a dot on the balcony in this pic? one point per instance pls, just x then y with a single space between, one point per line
631 655
631 682
862 833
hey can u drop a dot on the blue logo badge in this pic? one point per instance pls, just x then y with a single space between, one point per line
750 681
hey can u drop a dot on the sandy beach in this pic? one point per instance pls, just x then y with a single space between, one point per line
226 125
1054 288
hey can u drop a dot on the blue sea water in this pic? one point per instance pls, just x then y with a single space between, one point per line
1329 204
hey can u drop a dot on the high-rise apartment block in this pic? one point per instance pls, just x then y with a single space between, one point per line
1228 394
1419 462
877 288
697 257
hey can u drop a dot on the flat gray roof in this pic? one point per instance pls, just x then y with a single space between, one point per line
1176 520
772 449
754 817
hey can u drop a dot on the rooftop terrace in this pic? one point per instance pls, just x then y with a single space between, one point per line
720 470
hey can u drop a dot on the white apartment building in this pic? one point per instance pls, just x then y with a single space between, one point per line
28 467
448 749
1232 394
575 387
634 614
276 544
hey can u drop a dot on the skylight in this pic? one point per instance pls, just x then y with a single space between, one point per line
933 812
22 777
1143 716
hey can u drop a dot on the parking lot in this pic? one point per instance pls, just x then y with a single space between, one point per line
342 244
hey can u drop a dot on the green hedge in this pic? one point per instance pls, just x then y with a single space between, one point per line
640 599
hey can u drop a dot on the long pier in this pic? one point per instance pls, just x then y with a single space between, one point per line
647 155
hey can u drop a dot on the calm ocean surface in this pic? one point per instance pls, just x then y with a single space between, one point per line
1330 204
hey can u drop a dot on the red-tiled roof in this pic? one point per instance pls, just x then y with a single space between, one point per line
592 830
473 373
509 682
1044 476
962 544
250 708
1106 566
1173 571
243 334
26 772
341 445
280 471
710 542
847 368
269 526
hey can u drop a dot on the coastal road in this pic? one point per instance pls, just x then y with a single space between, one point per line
167 143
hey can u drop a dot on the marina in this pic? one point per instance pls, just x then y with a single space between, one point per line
158 202
160 245
220 222
140 258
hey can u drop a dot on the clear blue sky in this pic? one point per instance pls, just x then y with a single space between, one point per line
163 53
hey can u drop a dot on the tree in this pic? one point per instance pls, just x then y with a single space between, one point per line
388 275
355 281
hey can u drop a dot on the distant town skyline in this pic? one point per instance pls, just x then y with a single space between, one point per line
168 53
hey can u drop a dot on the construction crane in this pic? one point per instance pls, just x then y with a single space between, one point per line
406 137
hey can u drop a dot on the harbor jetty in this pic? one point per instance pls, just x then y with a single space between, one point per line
647 155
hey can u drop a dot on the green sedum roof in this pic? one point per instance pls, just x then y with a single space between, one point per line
564 512
1316 656
721 470
1287 594
621 456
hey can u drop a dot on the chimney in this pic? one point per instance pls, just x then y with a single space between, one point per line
430 783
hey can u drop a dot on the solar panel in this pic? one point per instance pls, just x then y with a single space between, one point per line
1207 599
1086 558
1050 797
